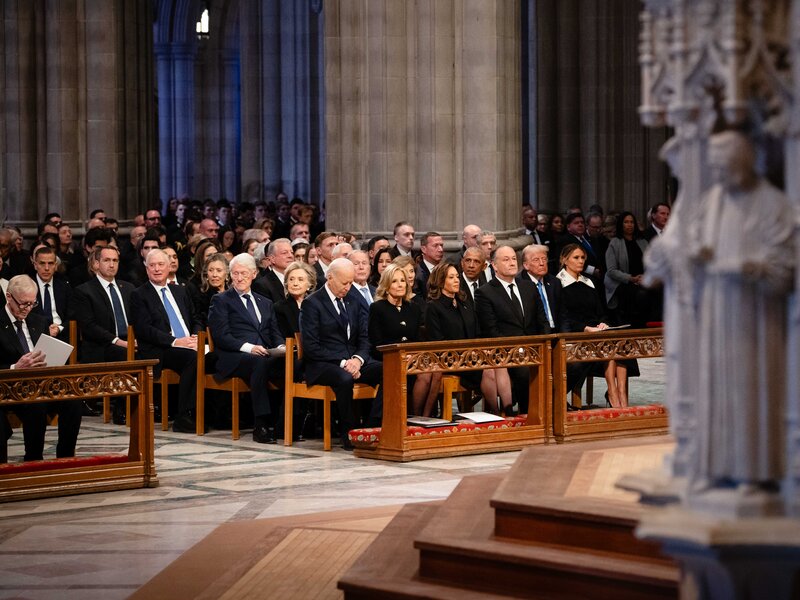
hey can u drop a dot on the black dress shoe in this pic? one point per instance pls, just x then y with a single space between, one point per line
118 418
89 411
346 445
184 425
264 435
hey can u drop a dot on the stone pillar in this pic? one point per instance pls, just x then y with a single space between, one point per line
231 125
166 147
78 130
259 23
423 115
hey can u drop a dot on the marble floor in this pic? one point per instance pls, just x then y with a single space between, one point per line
105 546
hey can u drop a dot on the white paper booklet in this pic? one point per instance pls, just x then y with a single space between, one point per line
55 351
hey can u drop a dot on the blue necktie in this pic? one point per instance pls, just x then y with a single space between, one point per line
119 314
585 243
47 304
21 335
251 309
174 321
542 293
367 297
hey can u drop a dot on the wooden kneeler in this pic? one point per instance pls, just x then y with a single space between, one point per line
361 391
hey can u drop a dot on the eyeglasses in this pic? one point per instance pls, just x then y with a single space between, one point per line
23 305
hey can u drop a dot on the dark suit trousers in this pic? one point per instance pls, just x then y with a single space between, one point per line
520 379
34 425
342 383
258 371
184 362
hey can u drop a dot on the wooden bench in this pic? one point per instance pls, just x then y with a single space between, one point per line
83 474
399 360
323 393
570 348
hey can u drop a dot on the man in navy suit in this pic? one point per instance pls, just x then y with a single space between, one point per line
473 262
104 329
432 248
361 290
534 269
336 345
244 328
165 329
509 307
20 328
54 294
270 284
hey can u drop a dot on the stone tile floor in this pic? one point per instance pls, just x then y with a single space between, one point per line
107 545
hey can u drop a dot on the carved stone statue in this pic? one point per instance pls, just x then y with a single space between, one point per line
743 246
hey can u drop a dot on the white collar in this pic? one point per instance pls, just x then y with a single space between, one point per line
567 280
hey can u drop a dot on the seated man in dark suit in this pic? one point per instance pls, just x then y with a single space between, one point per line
55 294
165 329
20 329
534 269
103 309
473 262
336 345
508 307
270 284
244 328
361 290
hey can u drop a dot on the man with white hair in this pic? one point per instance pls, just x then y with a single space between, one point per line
270 283
244 328
165 329
361 290
336 345
20 329
471 238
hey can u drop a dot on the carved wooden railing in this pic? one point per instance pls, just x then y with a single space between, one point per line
618 344
400 360
84 382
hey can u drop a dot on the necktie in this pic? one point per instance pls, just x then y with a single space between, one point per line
474 288
119 314
365 293
342 313
47 304
251 309
585 243
543 294
515 301
174 321
21 335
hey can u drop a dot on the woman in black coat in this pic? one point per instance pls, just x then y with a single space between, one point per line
448 317
298 280
394 319
213 278
582 310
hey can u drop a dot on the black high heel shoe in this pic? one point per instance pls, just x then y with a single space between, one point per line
608 402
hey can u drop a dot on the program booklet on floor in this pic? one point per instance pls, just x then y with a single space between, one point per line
478 417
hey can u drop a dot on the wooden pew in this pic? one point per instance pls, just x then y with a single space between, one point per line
619 344
61 477
400 360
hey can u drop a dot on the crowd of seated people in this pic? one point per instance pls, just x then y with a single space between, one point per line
254 274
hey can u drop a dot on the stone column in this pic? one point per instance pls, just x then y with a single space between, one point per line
231 125
78 119
423 115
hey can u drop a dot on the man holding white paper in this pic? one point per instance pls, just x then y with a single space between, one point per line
20 329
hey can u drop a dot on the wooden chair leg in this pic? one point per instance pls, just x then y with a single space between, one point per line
127 411
288 413
106 409
200 411
235 410
326 421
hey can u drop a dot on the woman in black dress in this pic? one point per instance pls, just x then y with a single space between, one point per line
393 319
448 317
214 278
381 260
582 310
298 280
